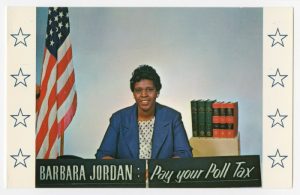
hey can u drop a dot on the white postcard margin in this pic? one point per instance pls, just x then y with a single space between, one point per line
277 168
277 158
21 76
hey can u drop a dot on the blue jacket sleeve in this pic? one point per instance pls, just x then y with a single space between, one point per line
182 147
109 143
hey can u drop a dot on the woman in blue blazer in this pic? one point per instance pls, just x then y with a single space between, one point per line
147 129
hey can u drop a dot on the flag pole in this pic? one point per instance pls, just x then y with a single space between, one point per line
62 144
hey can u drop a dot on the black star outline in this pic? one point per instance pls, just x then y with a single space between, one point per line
18 38
21 80
20 160
276 38
17 116
277 159
275 118
276 77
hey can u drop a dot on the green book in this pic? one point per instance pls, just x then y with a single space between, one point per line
194 118
201 118
208 117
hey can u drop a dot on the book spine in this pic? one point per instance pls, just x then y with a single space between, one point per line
208 118
229 120
236 117
194 118
223 125
232 119
216 119
201 117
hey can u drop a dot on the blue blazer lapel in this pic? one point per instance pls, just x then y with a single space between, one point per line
131 133
160 131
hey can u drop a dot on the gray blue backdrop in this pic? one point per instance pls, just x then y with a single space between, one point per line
200 53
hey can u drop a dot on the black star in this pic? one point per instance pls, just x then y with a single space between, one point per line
20 159
20 118
20 78
277 78
20 37
277 119
277 159
277 38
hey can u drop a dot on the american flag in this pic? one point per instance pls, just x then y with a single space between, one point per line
57 103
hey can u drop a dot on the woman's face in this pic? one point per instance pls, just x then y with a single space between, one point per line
145 95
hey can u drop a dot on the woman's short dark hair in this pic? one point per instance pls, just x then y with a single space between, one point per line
145 72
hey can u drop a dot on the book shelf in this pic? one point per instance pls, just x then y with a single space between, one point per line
210 146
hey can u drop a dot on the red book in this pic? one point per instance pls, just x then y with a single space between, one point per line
223 125
218 119
231 119
225 119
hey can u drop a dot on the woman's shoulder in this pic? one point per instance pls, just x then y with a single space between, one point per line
166 109
125 111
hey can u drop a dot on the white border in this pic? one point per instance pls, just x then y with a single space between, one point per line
218 3
277 97
21 137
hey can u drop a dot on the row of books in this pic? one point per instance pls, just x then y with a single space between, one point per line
211 118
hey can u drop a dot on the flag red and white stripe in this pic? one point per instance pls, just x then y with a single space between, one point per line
57 103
